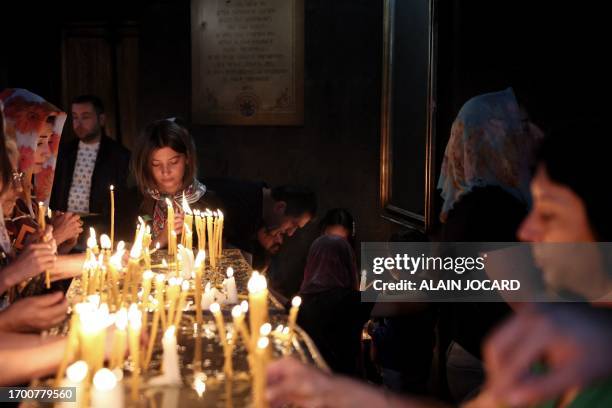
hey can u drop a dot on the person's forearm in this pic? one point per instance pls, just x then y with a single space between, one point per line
33 357
348 393
68 266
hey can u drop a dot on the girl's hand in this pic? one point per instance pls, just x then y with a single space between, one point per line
35 313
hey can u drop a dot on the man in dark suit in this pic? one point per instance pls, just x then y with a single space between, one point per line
89 165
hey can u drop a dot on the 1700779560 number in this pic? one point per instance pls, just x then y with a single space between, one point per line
15 394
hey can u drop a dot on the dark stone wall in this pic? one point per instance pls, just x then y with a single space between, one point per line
335 153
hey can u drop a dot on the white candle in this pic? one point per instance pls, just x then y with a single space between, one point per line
258 302
170 361
208 297
107 391
230 286
76 373
363 281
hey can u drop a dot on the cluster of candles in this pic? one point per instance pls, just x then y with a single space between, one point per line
132 299
42 226
208 227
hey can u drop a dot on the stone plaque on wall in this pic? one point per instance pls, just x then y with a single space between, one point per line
247 62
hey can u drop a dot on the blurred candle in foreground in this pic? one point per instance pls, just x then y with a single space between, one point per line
107 391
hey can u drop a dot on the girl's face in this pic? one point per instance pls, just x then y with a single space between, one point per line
43 151
167 167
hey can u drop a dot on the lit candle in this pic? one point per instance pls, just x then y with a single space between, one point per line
42 225
170 227
172 294
209 229
71 346
152 335
160 284
230 286
215 309
107 391
112 220
220 234
76 374
199 266
240 326
187 224
119 339
181 303
260 361
147 278
293 313
135 324
258 301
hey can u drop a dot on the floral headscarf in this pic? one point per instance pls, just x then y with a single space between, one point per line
25 117
192 194
489 145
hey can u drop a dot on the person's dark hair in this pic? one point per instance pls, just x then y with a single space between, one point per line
577 157
159 134
6 170
342 217
300 200
93 99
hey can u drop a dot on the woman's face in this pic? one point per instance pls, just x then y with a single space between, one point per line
43 151
337 230
557 215
167 167
559 227
9 198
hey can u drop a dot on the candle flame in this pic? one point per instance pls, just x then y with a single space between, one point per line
159 279
230 272
104 380
236 311
168 203
244 305
262 343
279 328
200 258
147 275
296 302
265 329
77 371
134 316
92 232
112 187
185 286
185 205
257 283
105 241
215 308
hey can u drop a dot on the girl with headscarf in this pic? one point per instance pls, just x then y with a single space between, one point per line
484 180
36 126
331 311
164 163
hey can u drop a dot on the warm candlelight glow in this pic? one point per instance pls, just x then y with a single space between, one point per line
77 371
215 308
262 343
257 283
244 305
105 241
237 311
199 384
104 380
296 301
230 272
265 329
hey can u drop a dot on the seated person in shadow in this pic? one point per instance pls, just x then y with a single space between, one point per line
332 312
